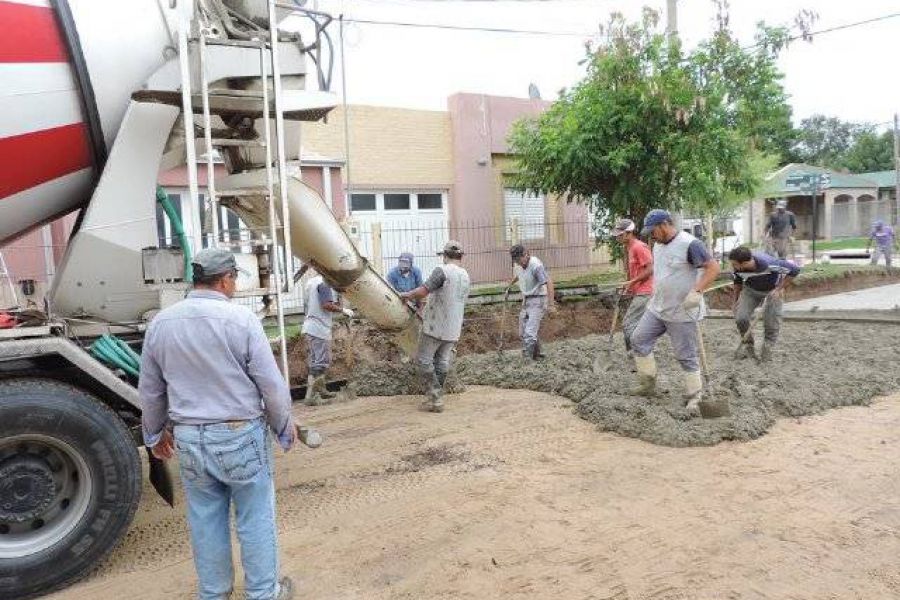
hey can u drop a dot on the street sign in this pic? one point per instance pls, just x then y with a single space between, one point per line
808 181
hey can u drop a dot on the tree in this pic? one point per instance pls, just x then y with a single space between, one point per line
653 125
870 152
825 141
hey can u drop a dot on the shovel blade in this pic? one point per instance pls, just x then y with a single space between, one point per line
714 409
161 479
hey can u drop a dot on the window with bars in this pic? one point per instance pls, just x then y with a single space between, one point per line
528 210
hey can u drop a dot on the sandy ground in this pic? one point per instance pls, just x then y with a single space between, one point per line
485 502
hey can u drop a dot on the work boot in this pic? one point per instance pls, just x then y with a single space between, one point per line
436 399
538 354
693 390
528 351
310 388
285 589
765 354
321 389
646 372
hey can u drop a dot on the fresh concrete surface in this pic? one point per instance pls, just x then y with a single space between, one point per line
885 297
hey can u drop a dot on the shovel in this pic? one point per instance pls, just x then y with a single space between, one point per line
617 300
709 409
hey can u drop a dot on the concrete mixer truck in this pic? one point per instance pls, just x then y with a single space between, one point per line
98 98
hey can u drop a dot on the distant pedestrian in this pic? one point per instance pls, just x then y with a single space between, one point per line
885 241
207 368
683 269
446 289
779 230
537 298
405 276
320 304
640 276
759 278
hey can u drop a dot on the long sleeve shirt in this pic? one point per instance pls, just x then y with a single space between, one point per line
768 273
206 360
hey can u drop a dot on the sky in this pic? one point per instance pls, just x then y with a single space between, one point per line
844 74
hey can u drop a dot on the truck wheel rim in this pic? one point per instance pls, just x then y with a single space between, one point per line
45 491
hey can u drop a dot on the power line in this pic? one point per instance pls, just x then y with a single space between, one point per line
848 25
471 28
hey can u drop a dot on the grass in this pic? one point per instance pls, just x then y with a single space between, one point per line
291 331
844 244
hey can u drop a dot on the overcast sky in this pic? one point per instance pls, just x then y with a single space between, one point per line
845 73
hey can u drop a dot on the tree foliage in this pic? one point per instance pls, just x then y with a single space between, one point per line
842 145
654 125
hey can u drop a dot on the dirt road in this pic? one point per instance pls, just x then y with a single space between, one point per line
485 502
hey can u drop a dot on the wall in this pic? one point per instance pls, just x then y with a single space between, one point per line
389 147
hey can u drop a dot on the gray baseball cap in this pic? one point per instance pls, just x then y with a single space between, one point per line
623 226
214 261
452 247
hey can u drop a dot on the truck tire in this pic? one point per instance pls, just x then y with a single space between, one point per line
70 482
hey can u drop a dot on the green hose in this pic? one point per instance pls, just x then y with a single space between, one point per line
178 229
116 353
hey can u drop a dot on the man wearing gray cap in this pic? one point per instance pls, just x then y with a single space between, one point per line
780 229
446 289
208 370
537 298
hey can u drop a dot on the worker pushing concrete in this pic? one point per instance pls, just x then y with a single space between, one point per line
759 279
537 298
683 269
780 229
320 304
885 241
640 276
446 289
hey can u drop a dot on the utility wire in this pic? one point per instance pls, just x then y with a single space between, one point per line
471 28
848 25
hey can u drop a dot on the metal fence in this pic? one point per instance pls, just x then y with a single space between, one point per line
567 248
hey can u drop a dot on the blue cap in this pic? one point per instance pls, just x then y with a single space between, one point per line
655 217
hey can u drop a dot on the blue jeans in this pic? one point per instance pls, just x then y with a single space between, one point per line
220 464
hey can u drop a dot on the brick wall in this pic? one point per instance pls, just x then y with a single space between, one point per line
388 146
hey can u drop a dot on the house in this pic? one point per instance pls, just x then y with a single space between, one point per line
844 207
418 178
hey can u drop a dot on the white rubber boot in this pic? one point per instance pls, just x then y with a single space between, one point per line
693 389
310 388
646 372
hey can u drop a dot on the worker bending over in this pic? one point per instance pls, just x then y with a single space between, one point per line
537 298
759 278
640 276
682 270
320 304
405 276
446 289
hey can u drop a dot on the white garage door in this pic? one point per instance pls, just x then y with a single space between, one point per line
414 222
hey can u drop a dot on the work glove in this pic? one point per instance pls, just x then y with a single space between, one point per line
347 313
692 300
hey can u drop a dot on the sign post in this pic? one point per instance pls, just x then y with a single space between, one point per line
811 182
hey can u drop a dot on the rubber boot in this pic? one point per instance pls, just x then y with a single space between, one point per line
321 389
538 354
528 351
310 388
646 372
765 354
693 390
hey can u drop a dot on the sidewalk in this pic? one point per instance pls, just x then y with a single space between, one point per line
886 297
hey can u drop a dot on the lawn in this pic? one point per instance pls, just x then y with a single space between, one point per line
844 244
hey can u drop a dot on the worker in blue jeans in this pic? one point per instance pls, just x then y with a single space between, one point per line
210 390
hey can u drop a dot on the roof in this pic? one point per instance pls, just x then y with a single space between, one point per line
776 184
884 179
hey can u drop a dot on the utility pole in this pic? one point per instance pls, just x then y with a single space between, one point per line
896 169
672 17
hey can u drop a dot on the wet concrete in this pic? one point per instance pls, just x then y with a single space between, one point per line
816 367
